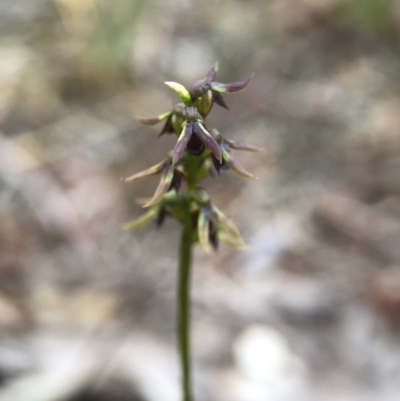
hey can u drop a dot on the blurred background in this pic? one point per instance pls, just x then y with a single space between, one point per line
311 311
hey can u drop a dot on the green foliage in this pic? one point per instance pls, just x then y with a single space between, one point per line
372 15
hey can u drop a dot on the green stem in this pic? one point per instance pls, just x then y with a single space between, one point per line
185 260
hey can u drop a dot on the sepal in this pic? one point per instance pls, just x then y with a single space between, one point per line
154 120
204 103
162 188
227 225
143 219
182 142
154 170
231 241
212 72
217 98
239 145
203 228
181 91
208 140
232 87
234 165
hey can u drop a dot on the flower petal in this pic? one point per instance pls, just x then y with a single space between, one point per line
199 88
156 169
162 188
184 138
143 219
168 127
232 87
216 167
162 214
234 165
217 98
207 139
181 91
195 146
227 225
212 72
207 168
204 103
203 228
154 120
201 196
177 180
231 241
213 237
177 121
239 145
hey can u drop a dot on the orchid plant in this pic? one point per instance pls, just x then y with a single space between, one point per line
198 153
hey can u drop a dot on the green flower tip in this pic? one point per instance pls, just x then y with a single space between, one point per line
153 120
142 220
154 170
233 242
181 91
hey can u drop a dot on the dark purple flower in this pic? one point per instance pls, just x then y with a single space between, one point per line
194 137
228 160
173 120
171 178
207 91
213 225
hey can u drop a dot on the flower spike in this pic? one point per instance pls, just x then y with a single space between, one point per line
199 151
213 153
